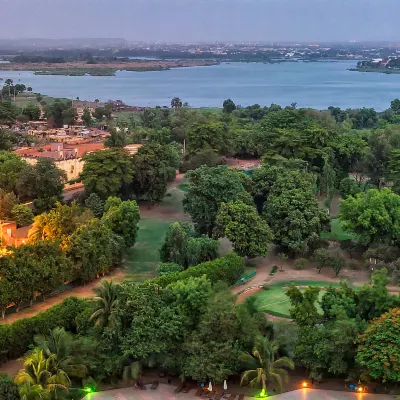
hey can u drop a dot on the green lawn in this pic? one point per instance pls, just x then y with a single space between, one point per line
142 260
337 232
184 187
274 300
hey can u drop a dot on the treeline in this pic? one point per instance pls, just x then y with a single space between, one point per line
67 244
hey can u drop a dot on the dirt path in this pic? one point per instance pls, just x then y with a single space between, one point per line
80 291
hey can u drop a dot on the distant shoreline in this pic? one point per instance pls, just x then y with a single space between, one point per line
103 69
377 70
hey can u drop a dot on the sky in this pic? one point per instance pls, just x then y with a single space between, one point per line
203 20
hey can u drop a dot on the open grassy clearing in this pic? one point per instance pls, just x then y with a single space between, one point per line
337 232
142 260
274 300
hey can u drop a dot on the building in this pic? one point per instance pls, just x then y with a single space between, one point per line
10 235
67 155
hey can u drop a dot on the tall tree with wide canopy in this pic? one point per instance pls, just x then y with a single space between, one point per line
208 188
106 172
264 368
293 213
241 224
378 349
374 216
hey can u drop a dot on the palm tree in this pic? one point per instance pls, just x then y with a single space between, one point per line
64 351
39 230
27 391
106 304
39 372
264 368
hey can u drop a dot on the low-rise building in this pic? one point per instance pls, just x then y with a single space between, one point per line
67 155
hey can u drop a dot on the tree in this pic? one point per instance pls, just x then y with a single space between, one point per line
378 349
59 223
228 106
219 330
375 162
372 216
8 389
106 172
208 157
117 138
94 250
122 217
349 187
106 303
241 224
304 311
22 215
395 106
69 116
154 166
174 249
264 368
95 205
293 213
7 202
43 182
176 103
64 350
59 112
38 373
8 113
211 134
208 188
32 111
29 89
87 117
201 249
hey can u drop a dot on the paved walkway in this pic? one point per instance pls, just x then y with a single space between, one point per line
165 392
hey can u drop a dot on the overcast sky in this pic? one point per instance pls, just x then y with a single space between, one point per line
203 20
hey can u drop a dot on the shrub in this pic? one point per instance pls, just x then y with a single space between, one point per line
165 269
8 389
300 263
200 250
227 269
274 270
353 265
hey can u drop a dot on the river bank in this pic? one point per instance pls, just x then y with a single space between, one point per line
377 70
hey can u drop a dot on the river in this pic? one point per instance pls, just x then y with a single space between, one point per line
318 85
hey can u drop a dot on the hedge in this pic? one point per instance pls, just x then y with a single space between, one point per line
16 338
228 269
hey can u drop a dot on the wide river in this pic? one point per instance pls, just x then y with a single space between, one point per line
317 85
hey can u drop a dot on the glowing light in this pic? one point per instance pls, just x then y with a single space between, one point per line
304 384
88 389
263 393
360 389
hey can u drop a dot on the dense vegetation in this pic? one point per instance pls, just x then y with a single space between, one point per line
185 320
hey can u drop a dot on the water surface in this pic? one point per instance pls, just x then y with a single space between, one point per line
317 85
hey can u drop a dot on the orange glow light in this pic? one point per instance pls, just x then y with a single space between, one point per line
304 384
360 389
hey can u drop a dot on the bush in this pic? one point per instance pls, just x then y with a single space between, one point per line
266 287
200 250
165 269
16 338
300 263
8 389
274 270
353 265
227 269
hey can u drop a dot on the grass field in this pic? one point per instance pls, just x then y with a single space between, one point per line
337 232
142 260
274 300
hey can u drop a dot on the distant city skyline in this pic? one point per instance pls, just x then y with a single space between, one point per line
203 20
